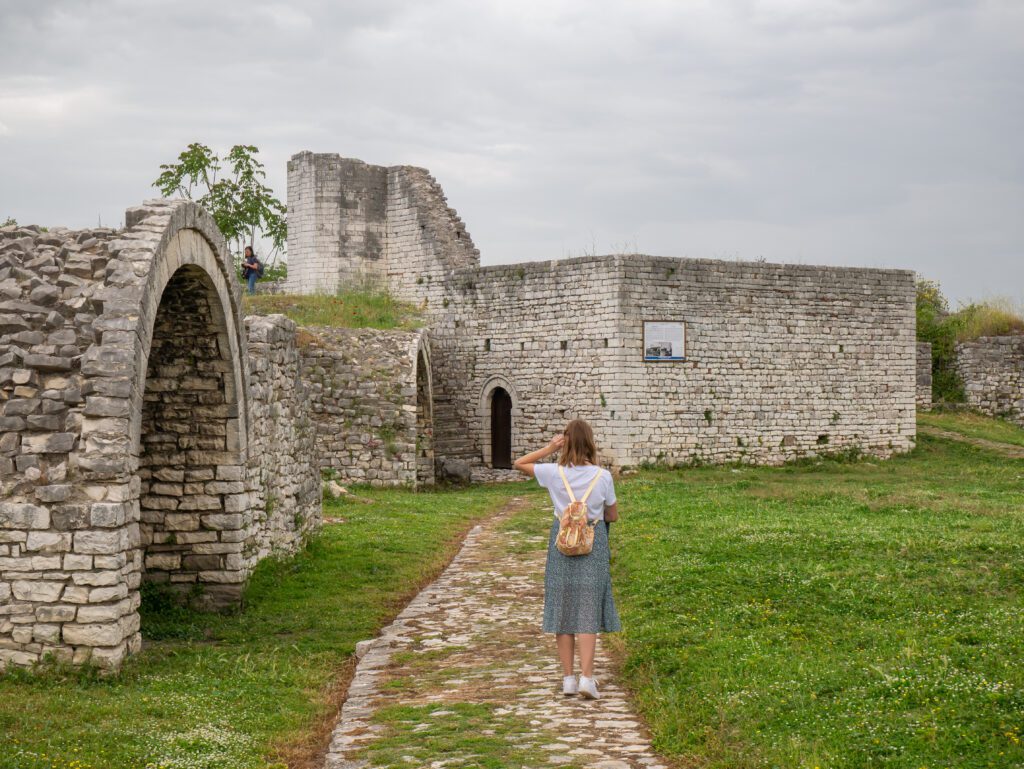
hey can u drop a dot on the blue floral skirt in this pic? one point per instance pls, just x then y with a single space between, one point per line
578 588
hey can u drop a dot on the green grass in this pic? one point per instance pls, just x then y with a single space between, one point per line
346 309
242 690
824 614
829 614
974 426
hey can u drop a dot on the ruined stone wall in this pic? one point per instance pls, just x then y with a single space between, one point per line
336 210
369 400
786 360
783 360
924 376
283 452
355 225
992 370
113 471
426 239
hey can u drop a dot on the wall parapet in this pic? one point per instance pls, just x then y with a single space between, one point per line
992 370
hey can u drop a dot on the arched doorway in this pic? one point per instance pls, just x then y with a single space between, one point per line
191 466
424 421
501 428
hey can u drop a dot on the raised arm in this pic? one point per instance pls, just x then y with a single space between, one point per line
525 464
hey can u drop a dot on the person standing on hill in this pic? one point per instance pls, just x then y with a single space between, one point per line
578 602
250 269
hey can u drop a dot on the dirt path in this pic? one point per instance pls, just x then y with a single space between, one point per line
1006 449
464 674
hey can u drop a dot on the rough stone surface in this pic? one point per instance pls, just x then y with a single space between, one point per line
369 396
992 370
924 376
473 636
127 449
783 361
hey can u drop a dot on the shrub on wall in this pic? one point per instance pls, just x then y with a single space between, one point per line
944 329
937 326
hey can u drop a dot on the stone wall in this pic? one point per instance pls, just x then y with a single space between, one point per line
351 224
783 360
113 471
924 376
283 456
992 370
369 395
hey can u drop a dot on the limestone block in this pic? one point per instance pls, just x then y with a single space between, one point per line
37 590
105 594
15 515
55 613
99 541
48 542
99 613
96 634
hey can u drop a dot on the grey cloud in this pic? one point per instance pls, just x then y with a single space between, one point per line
877 132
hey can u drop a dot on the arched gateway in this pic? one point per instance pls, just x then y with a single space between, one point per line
125 435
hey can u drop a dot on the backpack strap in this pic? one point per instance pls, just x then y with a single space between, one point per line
568 488
590 488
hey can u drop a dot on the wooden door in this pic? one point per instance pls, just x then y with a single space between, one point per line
501 428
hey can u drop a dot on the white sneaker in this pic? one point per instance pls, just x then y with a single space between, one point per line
569 686
588 688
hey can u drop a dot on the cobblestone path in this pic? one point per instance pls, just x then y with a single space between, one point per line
464 674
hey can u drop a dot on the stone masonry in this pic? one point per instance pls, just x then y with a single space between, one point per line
992 370
783 360
924 376
127 448
369 395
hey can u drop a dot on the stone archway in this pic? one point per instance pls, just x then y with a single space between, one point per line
191 459
497 413
127 450
167 405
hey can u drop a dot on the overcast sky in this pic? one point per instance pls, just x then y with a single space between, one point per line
872 132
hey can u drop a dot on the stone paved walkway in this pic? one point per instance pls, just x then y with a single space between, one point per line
465 665
1006 449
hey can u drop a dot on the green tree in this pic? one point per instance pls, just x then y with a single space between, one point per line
10 220
938 326
241 204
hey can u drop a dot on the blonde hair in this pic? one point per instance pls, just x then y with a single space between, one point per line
579 447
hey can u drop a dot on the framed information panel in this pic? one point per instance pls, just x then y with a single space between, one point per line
664 340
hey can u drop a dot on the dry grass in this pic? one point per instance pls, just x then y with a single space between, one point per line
992 317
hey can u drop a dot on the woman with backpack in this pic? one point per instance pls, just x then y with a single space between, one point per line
578 601
251 268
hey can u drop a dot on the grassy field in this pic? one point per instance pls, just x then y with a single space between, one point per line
974 426
240 691
829 615
346 309
825 614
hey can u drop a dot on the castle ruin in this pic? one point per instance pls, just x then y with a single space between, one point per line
781 361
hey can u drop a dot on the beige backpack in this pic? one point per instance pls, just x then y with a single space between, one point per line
575 533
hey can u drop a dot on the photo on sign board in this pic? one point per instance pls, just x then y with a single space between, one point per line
664 340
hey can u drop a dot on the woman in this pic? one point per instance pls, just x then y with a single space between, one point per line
578 600
250 268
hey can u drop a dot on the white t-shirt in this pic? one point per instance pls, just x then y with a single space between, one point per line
579 477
